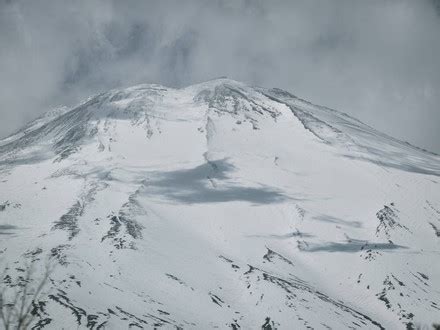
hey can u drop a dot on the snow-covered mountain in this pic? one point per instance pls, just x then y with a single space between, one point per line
221 206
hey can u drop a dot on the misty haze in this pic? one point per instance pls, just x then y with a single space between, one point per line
226 164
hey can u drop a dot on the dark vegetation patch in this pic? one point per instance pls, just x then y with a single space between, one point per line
123 228
178 280
436 229
299 293
269 324
392 284
216 299
388 221
69 220
270 255
33 254
58 253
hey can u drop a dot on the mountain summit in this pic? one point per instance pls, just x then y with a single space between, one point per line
219 205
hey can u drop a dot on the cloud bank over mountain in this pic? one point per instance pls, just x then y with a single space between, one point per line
377 60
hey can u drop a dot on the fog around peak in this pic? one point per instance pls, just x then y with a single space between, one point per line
376 60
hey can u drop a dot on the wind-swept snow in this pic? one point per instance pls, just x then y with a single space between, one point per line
220 205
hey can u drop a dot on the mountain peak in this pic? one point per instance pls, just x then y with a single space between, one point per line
64 130
218 205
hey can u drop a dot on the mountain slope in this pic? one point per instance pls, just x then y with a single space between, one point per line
220 205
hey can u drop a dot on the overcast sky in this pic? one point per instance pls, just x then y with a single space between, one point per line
378 60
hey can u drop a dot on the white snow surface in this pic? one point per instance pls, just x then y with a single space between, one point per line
221 206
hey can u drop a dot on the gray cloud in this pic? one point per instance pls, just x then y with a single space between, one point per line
377 60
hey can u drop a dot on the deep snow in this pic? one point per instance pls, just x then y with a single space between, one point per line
220 205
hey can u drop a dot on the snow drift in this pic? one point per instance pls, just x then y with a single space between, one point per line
219 205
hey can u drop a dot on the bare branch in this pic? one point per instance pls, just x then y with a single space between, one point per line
17 298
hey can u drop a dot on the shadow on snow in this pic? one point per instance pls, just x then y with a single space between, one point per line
209 183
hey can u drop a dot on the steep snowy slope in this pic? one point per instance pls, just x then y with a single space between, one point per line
219 206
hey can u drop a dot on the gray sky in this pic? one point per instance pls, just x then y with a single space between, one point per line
378 60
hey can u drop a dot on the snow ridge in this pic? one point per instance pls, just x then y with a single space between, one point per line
219 205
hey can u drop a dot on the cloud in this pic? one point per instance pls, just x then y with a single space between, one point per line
377 60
